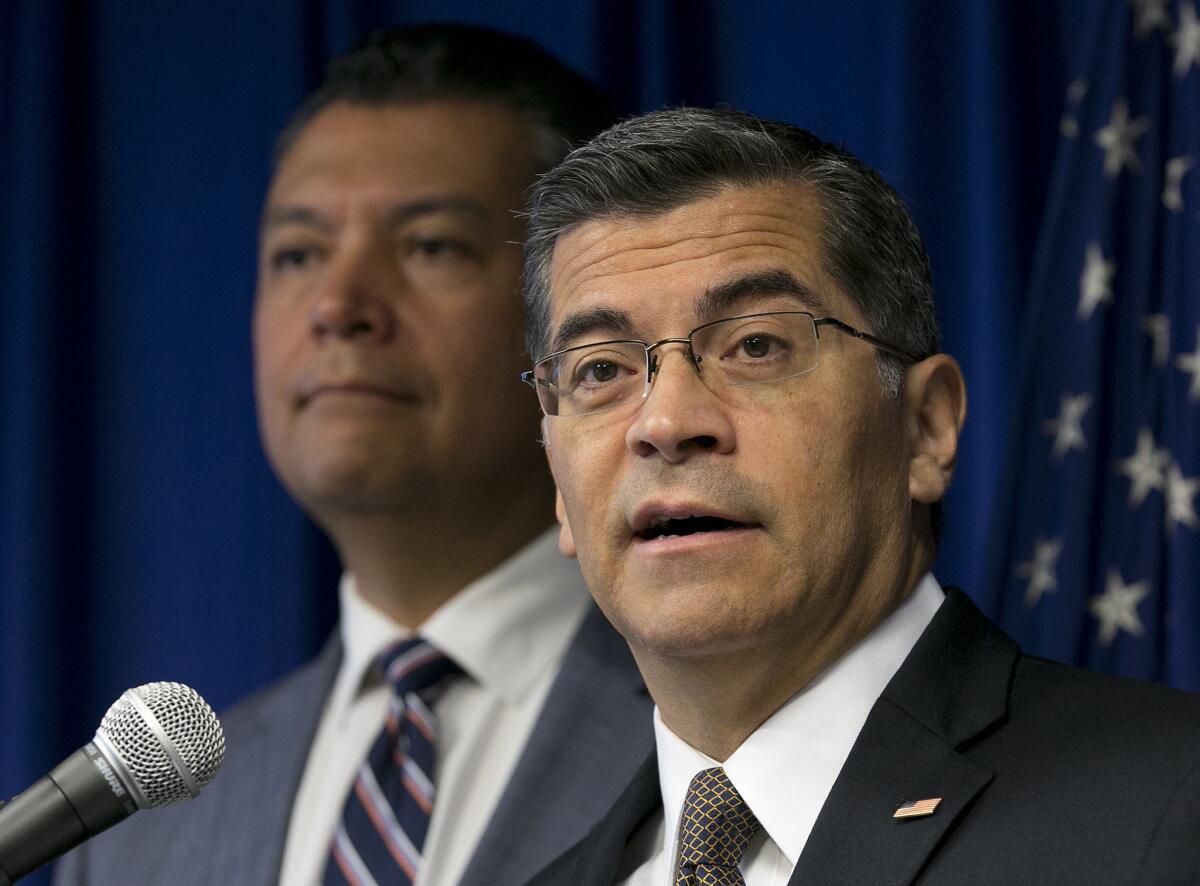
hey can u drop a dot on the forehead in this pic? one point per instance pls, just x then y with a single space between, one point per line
660 267
383 151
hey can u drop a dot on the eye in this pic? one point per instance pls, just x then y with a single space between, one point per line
589 373
598 372
285 258
759 346
438 248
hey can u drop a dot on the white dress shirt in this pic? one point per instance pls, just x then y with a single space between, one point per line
786 768
508 631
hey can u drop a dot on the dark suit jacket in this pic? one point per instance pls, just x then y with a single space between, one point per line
595 731
1047 774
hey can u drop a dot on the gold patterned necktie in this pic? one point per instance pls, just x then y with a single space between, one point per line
714 830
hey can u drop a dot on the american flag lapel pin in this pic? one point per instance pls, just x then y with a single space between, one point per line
917 808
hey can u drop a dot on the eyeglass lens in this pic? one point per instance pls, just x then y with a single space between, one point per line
737 351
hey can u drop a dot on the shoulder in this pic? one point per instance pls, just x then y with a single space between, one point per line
1040 681
1097 717
1096 778
1070 705
1100 770
302 688
1054 719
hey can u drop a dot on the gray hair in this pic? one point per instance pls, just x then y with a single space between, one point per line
650 164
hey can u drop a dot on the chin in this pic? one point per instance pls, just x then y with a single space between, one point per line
350 485
690 623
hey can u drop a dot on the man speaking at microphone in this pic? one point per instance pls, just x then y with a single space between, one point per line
751 428
466 722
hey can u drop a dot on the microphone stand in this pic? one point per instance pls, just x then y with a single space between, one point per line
4 881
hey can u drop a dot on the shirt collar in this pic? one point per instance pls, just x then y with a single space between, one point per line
503 629
786 768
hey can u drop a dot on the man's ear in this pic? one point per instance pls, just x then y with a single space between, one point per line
566 541
936 399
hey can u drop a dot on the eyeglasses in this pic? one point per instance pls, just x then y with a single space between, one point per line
747 350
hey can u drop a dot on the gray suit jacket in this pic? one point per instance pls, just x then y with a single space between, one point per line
1047 774
594 733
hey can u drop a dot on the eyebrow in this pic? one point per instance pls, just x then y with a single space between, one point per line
401 213
575 326
717 301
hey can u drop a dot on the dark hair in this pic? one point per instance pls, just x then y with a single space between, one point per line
656 162
451 62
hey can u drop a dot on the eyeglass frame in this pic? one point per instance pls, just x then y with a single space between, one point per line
903 356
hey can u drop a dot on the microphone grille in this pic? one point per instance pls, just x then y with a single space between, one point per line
181 726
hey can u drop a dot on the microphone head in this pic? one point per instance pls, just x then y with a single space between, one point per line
166 739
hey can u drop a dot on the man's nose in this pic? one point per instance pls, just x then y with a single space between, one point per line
355 299
680 416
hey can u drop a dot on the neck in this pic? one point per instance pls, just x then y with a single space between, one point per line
743 687
747 686
409 564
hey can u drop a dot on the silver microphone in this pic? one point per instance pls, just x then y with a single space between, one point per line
165 740
157 744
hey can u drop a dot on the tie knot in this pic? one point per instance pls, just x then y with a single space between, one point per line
415 665
716 825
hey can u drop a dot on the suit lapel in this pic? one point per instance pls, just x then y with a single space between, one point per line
855 839
952 687
585 765
261 775
596 860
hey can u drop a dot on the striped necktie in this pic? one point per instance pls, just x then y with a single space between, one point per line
715 828
380 836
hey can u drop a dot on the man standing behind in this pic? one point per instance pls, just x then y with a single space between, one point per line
751 429
468 719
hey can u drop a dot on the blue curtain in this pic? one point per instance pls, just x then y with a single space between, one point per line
142 535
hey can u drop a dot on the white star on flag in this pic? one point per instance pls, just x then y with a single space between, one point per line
1095 282
1067 428
1116 608
1191 363
1040 570
1069 124
1177 168
1146 468
1151 14
1178 497
1186 40
1158 327
1117 138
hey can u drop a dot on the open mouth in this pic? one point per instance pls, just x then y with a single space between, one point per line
675 527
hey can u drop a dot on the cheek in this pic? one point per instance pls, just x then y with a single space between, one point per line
276 326
477 372
471 332
569 483
826 455
278 356
792 440
267 371
584 479
871 475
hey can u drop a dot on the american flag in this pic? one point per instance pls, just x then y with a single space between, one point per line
917 808
1097 556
